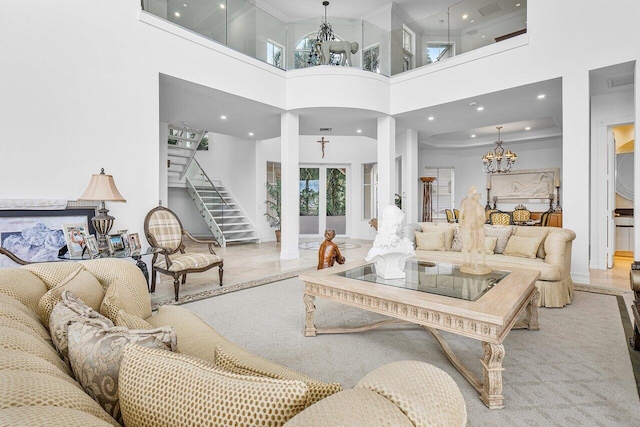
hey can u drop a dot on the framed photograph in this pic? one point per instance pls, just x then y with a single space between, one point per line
115 243
134 242
36 235
75 235
92 246
125 238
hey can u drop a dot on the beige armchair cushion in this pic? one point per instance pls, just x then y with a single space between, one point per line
95 354
81 283
124 296
196 392
35 390
180 262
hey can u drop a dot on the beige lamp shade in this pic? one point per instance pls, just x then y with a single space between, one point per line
102 187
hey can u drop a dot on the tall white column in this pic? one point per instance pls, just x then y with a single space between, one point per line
411 185
386 161
290 169
575 169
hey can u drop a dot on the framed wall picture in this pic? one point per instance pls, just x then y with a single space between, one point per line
36 235
75 235
92 246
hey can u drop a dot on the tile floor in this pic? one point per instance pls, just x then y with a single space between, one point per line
246 262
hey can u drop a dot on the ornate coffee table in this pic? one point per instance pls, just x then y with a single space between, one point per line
436 297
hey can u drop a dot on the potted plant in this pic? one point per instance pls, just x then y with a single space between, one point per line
274 205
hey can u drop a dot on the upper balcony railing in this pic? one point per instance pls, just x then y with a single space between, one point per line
462 27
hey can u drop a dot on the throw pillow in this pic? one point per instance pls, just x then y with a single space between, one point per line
431 241
96 352
120 296
525 247
502 233
456 243
131 321
540 232
317 390
81 283
490 245
71 309
194 389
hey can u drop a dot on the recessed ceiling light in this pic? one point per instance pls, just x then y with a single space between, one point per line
465 16
184 4
527 128
431 118
473 104
517 4
471 21
480 108
177 14
250 133
473 136
541 96
359 130
223 117
483 36
222 6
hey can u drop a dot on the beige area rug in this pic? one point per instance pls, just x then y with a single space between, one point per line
575 371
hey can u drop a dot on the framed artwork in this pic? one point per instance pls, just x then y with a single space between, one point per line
37 235
74 235
115 243
524 184
134 242
92 246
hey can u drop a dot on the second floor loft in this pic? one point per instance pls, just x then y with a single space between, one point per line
389 41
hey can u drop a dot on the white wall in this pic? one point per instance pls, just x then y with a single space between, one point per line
341 151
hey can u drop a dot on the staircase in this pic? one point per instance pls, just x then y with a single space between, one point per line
225 218
181 150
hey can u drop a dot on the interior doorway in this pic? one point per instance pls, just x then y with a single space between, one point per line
623 163
323 199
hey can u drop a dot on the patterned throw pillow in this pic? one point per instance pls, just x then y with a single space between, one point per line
95 353
502 233
456 243
430 241
81 283
121 296
525 247
489 243
194 389
71 309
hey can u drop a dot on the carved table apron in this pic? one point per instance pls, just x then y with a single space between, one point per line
488 319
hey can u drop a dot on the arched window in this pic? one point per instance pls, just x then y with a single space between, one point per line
305 48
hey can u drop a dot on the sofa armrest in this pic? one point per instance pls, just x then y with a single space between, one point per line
557 247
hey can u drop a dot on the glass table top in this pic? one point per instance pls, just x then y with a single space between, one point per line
124 253
433 278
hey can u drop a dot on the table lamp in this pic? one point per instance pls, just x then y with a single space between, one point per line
102 188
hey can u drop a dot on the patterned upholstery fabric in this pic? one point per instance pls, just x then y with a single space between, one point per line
16 360
456 215
500 218
521 215
449 214
502 233
180 262
131 321
53 274
95 354
165 227
526 247
124 296
81 283
48 416
10 314
196 392
34 390
353 407
488 213
69 310
17 340
22 285
426 394
108 269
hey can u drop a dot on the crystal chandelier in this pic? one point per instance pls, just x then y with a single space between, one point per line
324 33
498 154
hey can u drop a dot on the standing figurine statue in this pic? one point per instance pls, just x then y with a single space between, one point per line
389 251
472 219
329 252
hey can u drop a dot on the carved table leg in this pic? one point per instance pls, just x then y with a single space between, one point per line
142 266
309 327
531 316
491 393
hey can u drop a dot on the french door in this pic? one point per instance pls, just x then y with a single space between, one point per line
323 200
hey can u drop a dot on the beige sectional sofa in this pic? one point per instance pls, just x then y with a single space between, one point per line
79 345
552 257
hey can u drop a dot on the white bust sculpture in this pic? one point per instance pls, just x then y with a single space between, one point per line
472 219
389 251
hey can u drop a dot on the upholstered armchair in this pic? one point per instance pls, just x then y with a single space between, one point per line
501 218
488 213
449 214
521 215
456 215
164 230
